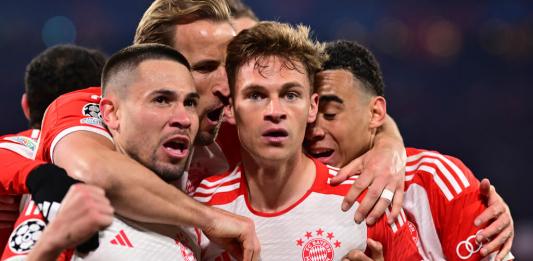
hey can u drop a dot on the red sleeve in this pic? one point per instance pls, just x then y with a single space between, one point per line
455 219
15 168
75 111
454 199
28 228
398 239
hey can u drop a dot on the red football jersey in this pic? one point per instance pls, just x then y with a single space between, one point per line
71 112
16 153
313 228
442 198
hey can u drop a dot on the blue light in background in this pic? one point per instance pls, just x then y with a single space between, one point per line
57 30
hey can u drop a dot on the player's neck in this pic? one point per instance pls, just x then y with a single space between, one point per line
274 186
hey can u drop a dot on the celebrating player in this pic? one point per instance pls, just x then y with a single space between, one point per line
442 194
271 68
55 71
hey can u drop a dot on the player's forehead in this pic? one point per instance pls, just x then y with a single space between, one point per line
203 39
272 70
337 82
162 73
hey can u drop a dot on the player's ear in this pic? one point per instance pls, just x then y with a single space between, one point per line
109 111
378 110
228 111
313 108
25 106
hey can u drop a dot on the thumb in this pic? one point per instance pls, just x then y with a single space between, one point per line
351 169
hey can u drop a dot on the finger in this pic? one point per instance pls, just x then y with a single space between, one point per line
380 208
366 205
488 214
484 187
495 243
353 168
505 249
496 227
371 198
376 249
355 190
397 202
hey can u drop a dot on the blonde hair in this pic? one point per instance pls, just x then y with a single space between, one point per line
293 44
157 23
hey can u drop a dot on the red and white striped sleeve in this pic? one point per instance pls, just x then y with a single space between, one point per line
453 194
399 239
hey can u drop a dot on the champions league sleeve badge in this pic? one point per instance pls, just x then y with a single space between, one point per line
26 235
91 110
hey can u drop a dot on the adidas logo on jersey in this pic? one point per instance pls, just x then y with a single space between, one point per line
121 239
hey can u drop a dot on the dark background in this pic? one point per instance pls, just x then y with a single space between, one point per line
458 73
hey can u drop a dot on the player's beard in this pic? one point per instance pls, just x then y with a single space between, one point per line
207 137
167 171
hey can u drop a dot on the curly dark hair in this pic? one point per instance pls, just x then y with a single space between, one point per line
58 70
358 60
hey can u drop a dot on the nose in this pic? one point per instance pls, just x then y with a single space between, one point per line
181 118
314 132
221 87
275 111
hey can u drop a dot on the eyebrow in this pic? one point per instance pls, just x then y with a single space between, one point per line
330 98
193 95
163 92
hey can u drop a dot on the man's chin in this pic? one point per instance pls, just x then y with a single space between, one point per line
205 138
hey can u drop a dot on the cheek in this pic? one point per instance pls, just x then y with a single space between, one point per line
201 81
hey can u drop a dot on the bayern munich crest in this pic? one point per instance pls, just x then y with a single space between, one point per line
318 245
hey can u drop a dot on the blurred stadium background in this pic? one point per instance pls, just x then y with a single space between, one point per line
459 73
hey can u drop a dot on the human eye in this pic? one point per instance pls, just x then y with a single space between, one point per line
190 102
255 96
329 116
292 95
206 67
161 99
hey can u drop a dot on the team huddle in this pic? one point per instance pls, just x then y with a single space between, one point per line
216 136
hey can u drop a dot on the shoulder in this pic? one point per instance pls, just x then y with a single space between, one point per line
21 143
435 171
323 180
219 189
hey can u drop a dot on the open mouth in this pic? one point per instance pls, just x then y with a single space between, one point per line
177 147
216 114
321 153
280 133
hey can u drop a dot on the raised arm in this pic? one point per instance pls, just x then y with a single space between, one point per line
137 193
381 169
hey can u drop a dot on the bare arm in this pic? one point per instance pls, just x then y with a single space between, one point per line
137 193
382 167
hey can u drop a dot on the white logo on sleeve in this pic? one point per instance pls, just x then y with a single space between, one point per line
466 248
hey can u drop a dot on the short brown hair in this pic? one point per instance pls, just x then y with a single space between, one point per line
239 10
157 23
293 44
